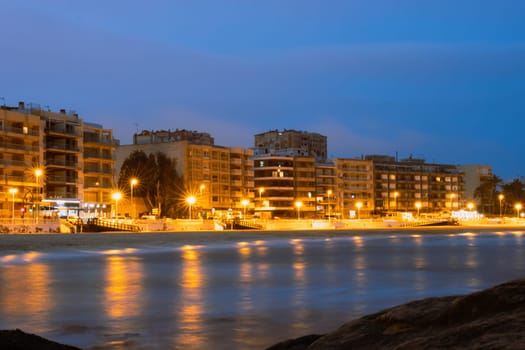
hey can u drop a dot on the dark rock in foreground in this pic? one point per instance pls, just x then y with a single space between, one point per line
489 319
18 340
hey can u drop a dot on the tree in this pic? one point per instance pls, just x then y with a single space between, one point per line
514 193
487 194
159 184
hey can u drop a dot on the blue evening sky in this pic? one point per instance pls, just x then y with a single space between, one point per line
442 80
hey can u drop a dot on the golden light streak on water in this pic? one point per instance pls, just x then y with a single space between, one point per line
28 292
190 313
124 286
358 241
119 251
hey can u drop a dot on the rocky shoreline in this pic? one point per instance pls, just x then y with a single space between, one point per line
490 319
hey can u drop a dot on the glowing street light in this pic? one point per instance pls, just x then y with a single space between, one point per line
358 206
261 190
395 199
418 207
298 205
470 205
38 173
191 200
245 203
116 197
329 193
133 182
13 191
500 197
518 207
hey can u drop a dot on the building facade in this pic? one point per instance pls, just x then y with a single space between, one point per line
416 186
291 143
43 160
221 178
354 187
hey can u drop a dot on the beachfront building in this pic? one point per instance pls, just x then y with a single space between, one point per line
220 178
354 187
42 161
284 185
99 165
21 141
416 186
292 143
474 176
293 176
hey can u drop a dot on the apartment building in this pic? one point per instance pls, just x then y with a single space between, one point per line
99 165
413 185
221 178
354 187
291 143
21 138
42 160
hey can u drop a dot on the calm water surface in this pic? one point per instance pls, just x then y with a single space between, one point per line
240 295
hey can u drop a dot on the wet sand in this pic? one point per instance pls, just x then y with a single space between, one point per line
45 241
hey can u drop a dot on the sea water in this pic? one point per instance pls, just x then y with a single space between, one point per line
242 294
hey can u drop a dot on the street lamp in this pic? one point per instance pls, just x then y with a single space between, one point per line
38 173
298 205
500 197
133 182
358 206
470 205
116 196
518 207
244 203
191 201
395 199
13 191
418 206
329 193
261 190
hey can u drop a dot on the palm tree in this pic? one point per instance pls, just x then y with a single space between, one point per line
487 194
514 193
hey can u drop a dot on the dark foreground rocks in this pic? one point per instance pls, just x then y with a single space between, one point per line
18 340
490 319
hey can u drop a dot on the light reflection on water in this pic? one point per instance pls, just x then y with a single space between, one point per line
242 295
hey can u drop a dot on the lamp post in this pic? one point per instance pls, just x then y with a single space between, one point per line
298 205
358 206
191 201
395 199
518 207
261 190
418 207
329 193
452 195
470 206
116 196
38 173
133 182
13 191
500 197
244 203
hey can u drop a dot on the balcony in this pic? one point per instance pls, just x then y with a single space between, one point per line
60 147
19 131
62 130
18 147
62 163
58 179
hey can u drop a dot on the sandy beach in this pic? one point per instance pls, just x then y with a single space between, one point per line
46 241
